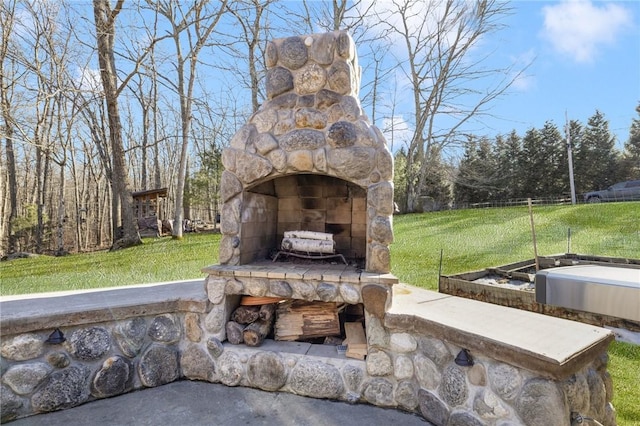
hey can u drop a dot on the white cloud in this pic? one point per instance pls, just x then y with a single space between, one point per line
397 132
580 28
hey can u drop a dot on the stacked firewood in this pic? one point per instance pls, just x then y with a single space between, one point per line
252 321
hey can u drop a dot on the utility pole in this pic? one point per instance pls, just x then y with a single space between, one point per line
567 132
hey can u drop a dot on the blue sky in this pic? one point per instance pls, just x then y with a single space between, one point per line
585 57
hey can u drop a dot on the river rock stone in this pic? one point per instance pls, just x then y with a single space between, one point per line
379 363
327 292
489 406
158 366
403 367
89 344
309 79
378 392
453 387
477 375
354 163
280 288
323 48
293 53
279 80
505 381
197 365
350 108
250 168
230 185
230 369
114 378
349 293
380 196
342 134
192 327
339 77
403 342
461 418
58 359
432 409
353 376
375 299
326 98
10 403
234 286
265 120
311 118
577 392
129 335
301 161
165 329
317 379
24 378
384 161
256 286
267 371
381 230
379 258
597 392
345 46
22 347
215 347
427 372
308 139
406 395
62 389
303 290
540 402
265 143
216 287
435 350
239 142
377 335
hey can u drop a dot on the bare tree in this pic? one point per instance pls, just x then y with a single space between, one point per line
443 72
195 24
105 18
7 13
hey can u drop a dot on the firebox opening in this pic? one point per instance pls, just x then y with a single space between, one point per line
303 202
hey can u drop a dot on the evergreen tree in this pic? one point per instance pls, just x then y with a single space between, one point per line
477 173
630 166
554 177
597 159
507 151
531 163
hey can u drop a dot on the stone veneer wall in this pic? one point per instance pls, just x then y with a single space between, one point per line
406 370
310 123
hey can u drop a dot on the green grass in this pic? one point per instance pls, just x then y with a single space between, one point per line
469 240
161 259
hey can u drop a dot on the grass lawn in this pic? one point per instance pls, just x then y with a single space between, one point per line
469 240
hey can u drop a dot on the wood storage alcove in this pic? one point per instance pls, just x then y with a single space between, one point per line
289 320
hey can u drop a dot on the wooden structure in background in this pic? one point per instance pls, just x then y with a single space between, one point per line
146 205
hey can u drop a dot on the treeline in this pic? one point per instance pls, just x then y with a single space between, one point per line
534 165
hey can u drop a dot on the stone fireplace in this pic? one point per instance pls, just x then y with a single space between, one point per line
308 159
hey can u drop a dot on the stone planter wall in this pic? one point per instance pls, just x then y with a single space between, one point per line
405 369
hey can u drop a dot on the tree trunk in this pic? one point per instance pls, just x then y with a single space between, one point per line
105 34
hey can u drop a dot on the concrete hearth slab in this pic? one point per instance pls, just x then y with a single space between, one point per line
201 403
534 341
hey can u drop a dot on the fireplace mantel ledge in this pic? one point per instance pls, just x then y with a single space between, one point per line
547 345
43 311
